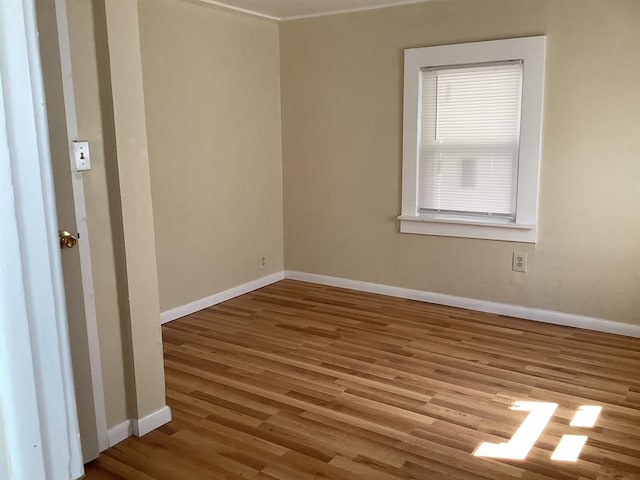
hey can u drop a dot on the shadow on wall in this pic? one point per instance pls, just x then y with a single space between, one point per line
113 188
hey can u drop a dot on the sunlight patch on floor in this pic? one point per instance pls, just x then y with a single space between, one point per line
530 430
569 448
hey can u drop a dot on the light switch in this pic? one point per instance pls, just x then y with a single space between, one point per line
81 156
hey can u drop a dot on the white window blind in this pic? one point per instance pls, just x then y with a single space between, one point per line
469 144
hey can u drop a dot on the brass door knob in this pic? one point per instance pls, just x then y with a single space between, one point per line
67 240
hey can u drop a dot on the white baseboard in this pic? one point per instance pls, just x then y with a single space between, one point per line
144 425
518 311
138 426
119 433
214 299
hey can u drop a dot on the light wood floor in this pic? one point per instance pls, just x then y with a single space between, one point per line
298 381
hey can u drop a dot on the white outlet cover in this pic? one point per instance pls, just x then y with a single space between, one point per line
519 263
81 156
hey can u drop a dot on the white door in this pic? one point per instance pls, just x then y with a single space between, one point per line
52 28
39 434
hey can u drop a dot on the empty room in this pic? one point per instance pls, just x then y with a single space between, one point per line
320 239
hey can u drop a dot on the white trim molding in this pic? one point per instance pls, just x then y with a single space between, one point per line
531 51
460 227
246 11
148 423
38 416
331 11
216 298
517 311
120 432
340 11
139 426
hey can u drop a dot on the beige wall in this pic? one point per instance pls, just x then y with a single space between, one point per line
212 91
234 181
342 144
142 335
90 108
107 77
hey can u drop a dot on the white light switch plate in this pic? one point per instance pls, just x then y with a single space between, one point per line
81 156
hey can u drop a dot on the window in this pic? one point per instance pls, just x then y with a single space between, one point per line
472 134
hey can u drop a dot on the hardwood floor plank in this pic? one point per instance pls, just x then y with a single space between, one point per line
297 381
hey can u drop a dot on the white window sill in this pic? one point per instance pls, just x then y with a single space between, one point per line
451 226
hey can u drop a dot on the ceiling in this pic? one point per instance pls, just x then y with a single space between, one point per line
290 9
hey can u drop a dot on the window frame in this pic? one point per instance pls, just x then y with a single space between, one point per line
532 52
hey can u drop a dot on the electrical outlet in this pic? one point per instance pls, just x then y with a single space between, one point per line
519 262
263 263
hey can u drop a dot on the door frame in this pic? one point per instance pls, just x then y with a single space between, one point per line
39 428
77 183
